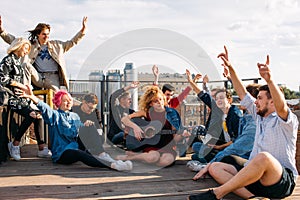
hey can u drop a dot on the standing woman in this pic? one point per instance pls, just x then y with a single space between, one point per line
11 76
153 106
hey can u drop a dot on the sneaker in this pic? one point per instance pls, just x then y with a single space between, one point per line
45 153
195 165
14 151
209 195
106 157
129 164
122 166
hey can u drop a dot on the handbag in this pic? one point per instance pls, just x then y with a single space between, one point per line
18 103
8 98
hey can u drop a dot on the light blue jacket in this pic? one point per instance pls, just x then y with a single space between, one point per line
63 129
243 144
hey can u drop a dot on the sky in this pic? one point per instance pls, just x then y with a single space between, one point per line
249 29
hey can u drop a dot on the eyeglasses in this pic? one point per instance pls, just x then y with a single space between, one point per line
91 107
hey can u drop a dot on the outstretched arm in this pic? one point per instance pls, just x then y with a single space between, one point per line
277 96
8 38
237 83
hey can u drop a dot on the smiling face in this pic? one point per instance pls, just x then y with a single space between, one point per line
43 37
264 105
24 50
126 100
158 103
169 94
221 100
88 107
66 103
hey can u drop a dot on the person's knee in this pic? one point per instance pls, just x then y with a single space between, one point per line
152 157
263 158
166 160
217 169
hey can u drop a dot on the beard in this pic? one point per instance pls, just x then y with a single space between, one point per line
262 112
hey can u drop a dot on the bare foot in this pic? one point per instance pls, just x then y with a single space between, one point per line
122 157
130 153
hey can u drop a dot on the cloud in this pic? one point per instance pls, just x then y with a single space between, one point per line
251 29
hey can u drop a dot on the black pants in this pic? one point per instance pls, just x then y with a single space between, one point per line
90 140
27 121
70 156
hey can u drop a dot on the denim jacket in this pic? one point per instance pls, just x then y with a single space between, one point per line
215 119
63 129
174 118
243 144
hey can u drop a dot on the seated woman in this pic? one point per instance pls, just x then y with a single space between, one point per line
63 130
153 106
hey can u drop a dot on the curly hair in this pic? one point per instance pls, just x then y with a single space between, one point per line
151 93
58 96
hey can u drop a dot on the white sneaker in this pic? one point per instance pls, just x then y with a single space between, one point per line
195 165
119 165
129 164
14 151
106 157
45 153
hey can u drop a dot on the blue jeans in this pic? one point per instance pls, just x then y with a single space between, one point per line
200 150
118 138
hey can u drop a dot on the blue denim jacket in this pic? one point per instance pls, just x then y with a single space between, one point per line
63 129
214 122
243 144
173 117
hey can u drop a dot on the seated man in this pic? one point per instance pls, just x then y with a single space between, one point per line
88 137
117 110
223 123
271 170
243 144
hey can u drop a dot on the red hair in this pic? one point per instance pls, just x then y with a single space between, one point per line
58 96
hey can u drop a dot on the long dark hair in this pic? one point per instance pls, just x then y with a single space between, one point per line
33 34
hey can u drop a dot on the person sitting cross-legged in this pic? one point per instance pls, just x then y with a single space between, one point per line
271 170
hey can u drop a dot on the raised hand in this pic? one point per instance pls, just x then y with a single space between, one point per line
205 79
1 27
188 75
155 70
226 73
224 57
84 21
134 84
264 70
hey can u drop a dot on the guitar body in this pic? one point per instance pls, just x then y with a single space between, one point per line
152 135
134 144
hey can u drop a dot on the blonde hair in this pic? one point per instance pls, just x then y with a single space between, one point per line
17 44
150 94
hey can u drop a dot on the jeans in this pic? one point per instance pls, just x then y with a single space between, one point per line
70 156
118 138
